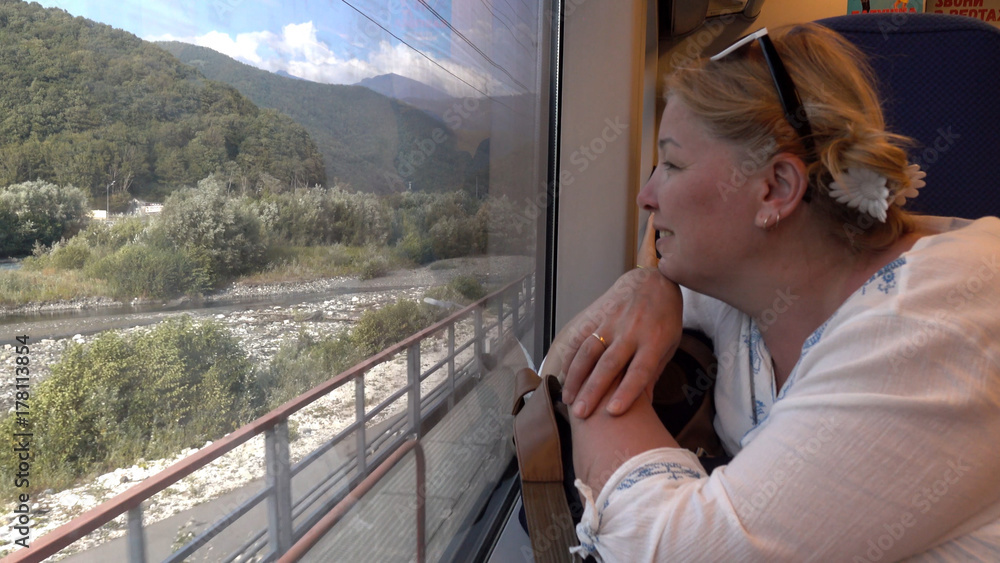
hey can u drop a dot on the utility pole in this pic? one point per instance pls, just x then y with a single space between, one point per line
107 201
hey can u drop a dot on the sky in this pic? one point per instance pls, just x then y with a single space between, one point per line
329 41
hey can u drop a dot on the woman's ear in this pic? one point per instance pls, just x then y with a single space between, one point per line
787 182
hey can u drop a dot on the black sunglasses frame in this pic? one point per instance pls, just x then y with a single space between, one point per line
788 95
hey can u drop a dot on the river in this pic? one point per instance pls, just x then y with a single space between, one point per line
72 319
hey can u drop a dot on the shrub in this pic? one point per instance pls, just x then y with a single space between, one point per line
315 216
375 267
378 329
39 212
139 270
503 229
451 238
69 256
142 395
305 363
416 248
207 221
109 237
468 287
372 266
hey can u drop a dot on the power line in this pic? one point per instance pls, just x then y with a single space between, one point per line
490 8
471 44
503 23
421 53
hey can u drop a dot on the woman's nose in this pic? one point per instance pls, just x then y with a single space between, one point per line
647 195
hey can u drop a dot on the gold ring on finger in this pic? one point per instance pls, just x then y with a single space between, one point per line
601 340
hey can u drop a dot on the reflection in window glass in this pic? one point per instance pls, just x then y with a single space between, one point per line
246 198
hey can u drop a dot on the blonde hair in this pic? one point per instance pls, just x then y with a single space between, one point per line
736 98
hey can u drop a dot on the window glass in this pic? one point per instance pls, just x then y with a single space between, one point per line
209 208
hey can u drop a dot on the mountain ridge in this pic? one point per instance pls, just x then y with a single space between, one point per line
96 107
403 88
369 141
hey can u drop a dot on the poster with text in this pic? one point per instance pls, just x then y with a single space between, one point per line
882 6
985 10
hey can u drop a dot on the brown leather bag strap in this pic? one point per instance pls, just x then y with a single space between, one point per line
525 381
539 458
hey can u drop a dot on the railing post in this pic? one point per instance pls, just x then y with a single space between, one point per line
526 289
480 337
361 438
499 320
279 480
136 536
515 320
451 365
413 376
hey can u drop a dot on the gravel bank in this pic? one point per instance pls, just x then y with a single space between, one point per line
261 329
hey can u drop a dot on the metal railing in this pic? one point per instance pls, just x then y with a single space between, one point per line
513 306
316 533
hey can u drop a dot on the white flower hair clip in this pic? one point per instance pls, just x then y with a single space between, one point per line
916 176
864 190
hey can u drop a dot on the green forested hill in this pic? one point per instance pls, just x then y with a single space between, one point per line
369 141
82 103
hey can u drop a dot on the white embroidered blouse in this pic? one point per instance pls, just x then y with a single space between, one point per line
883 444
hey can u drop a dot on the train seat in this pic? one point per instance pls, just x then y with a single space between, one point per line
938 75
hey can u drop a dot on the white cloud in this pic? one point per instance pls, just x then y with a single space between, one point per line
243 48
299 52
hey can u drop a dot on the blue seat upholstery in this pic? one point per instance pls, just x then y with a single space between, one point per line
939 76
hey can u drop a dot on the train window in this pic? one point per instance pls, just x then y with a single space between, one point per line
251 250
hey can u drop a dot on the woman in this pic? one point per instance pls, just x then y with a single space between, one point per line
859 346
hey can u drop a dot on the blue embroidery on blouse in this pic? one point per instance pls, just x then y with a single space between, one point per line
752 342
886 277
673 470
814 338
761 409
591 544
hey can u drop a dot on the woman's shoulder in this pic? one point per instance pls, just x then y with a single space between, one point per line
950 235
942 294
957 257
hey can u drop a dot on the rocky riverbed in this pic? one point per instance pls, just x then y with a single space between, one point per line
321 308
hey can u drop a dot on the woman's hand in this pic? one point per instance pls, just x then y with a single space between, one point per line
639 320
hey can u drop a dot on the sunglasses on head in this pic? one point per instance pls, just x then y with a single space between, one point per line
791 103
